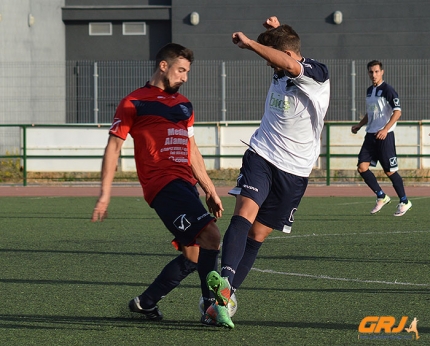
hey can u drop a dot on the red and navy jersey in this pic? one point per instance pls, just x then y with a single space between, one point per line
159 124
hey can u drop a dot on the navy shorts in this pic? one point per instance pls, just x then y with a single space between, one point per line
179 207
277 193
384 151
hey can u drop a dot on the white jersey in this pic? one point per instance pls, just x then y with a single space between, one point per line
290 130
381 101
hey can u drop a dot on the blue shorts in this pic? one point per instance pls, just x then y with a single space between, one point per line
179 207
277 193
384 151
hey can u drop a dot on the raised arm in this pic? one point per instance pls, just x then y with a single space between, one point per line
276 58
271 22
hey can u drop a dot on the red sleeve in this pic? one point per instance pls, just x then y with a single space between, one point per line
123 120
191 120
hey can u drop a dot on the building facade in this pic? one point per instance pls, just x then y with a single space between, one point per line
53 53
331 29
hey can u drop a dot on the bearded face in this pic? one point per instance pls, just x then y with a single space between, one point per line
168 87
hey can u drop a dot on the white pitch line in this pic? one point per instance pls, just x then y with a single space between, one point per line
325 277
344 234
366 202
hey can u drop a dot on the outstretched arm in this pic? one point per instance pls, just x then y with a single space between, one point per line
199 170
110 161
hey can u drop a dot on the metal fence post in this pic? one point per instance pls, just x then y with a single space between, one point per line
223 92
96 108
353 105
24 155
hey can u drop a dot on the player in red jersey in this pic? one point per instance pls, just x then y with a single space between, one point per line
169 165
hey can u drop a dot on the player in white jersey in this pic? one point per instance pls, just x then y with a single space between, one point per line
282 151
382 112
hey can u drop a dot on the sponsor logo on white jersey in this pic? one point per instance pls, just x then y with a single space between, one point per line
279 102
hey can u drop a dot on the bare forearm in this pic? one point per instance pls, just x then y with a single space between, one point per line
356 128
394 118
363 121
110 162
275 57
199 170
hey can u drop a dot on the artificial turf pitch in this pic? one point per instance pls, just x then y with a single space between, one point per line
67 281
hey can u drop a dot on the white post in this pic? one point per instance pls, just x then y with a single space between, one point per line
353 106
223 92
96 108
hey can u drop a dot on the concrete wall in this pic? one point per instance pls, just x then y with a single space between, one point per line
387 29
77 15
24 40
31 31
212 139
384 29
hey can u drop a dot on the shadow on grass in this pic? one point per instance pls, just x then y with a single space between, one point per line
56 216
81 283
342 259
97 323
243 288
81 252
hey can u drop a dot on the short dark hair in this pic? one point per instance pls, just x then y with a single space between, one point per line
283 38
173 51
374 63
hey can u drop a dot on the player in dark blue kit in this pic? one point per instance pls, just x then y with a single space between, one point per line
382 113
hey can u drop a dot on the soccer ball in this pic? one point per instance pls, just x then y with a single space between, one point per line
231 306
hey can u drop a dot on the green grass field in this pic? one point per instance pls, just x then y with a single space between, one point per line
67 281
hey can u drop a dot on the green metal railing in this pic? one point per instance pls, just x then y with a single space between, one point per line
327 155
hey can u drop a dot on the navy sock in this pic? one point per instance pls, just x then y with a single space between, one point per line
233 246
208 261
245 265
397 181
169 278
370 179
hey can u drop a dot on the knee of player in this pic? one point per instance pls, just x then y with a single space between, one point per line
210 237
259 232
361 169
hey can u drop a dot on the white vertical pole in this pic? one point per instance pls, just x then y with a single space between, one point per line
96 108
353 106
223 92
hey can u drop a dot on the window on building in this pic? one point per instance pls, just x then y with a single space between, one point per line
134 28
100 29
